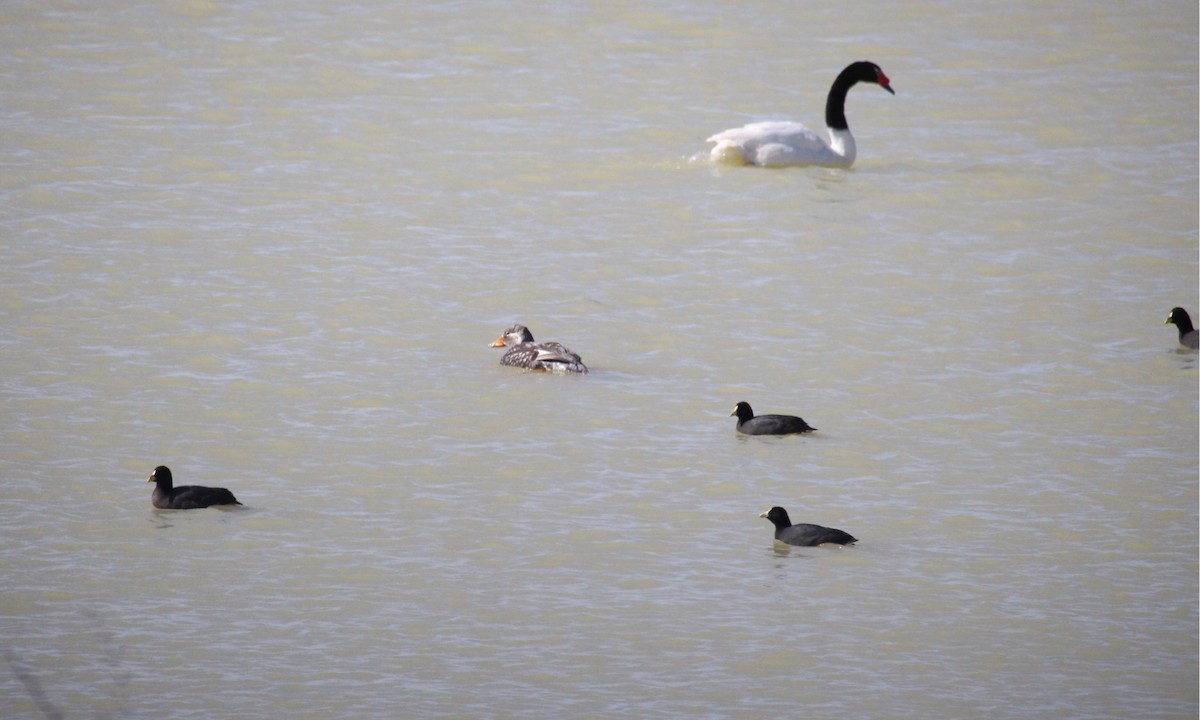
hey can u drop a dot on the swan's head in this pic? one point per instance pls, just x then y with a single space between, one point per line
867 71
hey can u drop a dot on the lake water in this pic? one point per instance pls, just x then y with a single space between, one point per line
267 244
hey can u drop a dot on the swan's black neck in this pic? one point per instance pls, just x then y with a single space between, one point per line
835 104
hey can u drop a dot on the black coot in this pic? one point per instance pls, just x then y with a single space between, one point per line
168 497
804 534
1188 337
767 424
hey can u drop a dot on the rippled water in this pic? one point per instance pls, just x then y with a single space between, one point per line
267 246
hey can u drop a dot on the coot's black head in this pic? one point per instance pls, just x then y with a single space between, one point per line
868 72
162 476
778 516
743 412
1180 318
515 334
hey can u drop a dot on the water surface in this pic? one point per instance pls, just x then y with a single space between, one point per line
267 246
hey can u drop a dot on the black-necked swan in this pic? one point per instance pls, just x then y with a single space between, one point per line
783 143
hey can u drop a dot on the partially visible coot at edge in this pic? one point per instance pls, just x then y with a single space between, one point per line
1188 337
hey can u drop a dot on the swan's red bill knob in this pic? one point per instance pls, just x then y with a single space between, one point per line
884 82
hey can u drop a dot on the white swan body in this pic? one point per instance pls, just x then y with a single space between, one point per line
782 143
